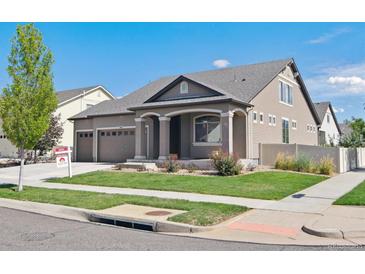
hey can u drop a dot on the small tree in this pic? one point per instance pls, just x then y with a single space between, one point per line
356 138
51 138
29 101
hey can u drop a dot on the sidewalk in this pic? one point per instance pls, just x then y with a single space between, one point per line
315 199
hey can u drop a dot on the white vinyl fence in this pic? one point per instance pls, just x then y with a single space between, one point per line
345 159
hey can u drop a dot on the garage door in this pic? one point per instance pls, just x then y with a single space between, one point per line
115 145
84 147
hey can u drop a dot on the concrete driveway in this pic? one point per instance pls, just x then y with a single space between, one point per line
36 173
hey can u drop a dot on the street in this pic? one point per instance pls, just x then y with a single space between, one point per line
27 231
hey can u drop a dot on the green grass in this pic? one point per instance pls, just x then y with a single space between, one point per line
259 185
198 213
355 197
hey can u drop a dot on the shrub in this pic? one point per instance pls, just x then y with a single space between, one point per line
285 162
326 166
302 164
171 165
226 164
191 168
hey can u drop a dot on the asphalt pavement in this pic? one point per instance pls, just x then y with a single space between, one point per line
28 231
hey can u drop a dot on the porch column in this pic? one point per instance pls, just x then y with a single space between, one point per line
227 131
164 138
140 139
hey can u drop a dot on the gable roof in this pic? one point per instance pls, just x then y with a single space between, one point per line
321 108
240 84
66 95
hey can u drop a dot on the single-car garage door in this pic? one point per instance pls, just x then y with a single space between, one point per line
84 147
116 145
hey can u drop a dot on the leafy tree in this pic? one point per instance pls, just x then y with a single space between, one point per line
356 138
29 100
52 136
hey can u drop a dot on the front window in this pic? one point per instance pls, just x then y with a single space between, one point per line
184 87
207 129
285 125
286 93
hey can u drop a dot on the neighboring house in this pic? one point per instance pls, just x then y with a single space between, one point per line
70 102
194 114
345 129
329 131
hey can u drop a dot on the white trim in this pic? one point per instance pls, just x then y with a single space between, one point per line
239 110
84 130
150 114
227 114
202 144
164 118
270 116
85 93
282 102
288 79
177 112
139 119
187 87
254 120
207 143
263 118
296 124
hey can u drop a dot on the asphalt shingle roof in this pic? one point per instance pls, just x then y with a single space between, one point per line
241 83
65 95
321 109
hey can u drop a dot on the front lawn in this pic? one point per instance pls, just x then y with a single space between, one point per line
198 213
260 185
355 197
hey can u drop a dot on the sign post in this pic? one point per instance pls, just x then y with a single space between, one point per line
63 158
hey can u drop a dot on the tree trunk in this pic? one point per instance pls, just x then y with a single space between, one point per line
20 182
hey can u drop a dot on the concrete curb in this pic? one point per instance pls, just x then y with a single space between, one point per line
156 226
84 215
333 232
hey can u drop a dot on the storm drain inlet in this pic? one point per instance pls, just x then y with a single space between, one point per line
122 222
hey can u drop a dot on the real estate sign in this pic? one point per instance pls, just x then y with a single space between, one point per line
63 158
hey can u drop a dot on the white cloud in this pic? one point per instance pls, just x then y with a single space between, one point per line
221 63
328 36
338 81
338 110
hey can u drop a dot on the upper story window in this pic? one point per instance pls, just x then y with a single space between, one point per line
328 118
261 118
184 87
254 117
207 129
285 93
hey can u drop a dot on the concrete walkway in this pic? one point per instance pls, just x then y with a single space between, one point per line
318 198
315 199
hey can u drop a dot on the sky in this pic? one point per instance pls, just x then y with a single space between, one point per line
125 56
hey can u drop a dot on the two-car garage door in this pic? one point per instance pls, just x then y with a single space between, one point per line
115 145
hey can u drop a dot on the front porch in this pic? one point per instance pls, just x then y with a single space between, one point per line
190 134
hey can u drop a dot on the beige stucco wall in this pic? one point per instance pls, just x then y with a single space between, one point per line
268 102
75 106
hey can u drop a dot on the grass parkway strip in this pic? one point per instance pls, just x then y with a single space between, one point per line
356 197
259 185
198 213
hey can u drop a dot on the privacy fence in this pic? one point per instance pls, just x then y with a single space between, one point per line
345 159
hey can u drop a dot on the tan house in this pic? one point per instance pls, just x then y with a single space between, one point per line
193 114
70 102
